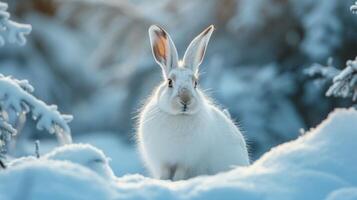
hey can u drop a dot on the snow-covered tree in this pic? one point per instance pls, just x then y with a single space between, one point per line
16 97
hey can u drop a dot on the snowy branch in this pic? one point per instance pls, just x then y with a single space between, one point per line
344 82
353 8
16 95
319 71
11 31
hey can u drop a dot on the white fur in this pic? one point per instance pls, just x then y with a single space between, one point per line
177 143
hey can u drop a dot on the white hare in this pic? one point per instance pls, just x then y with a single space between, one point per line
181 133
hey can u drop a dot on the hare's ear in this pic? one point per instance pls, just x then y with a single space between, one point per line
163 49
196 50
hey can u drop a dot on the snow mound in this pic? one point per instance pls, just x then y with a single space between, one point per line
85 155
317 165
52 179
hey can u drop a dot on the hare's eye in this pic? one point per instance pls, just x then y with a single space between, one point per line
169 82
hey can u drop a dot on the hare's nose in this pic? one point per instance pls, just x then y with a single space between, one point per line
185 97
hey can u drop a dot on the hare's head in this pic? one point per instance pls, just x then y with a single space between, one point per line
178 94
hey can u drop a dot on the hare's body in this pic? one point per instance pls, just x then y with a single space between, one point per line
181 134
182 146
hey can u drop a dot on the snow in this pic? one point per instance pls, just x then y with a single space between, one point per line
43 179
16 96
328 72
345 83
85 155
317 165
11 31
122 157
353 8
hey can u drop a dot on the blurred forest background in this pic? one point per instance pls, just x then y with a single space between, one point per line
92 58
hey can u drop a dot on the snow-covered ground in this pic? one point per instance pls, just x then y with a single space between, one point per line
318 165
124 158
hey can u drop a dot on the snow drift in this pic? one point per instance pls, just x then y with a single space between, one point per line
318 165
